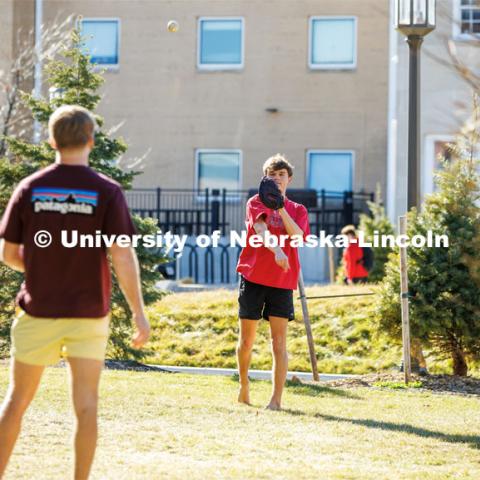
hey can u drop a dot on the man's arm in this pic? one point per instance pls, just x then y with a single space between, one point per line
290 226
126 267
11 254
280 258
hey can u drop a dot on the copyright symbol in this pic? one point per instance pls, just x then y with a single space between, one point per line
42 239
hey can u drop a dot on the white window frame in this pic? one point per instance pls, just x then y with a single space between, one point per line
316 151
103 66
338 66
199 151
219 66
428 163
457 22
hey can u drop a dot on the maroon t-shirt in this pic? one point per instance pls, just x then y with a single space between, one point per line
60 281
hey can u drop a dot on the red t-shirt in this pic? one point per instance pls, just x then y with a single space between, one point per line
257 264
352 259
59 281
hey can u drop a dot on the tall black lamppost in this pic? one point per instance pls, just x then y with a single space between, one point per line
415 19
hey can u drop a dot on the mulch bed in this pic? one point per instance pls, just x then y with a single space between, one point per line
434 383
132 365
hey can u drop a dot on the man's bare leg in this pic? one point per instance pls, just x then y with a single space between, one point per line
24 381
248 330
278 331
85 377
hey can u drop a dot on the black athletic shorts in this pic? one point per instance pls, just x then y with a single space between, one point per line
256 301
356 280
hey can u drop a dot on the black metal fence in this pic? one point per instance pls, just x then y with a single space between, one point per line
195 212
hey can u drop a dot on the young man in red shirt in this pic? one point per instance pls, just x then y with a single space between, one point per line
268 278
64 302
353 258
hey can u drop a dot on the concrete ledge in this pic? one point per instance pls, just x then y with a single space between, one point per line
256 374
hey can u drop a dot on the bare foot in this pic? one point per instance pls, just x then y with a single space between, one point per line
244 394
273 405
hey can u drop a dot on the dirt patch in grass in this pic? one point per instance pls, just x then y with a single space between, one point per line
435 383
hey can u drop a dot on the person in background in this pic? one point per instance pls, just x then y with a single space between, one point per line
353 258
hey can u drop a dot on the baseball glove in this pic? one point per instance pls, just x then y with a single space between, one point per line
270 194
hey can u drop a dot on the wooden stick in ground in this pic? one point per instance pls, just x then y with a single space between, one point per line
308 327
404 302
331 264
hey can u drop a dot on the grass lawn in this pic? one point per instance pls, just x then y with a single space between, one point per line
201 329
156 425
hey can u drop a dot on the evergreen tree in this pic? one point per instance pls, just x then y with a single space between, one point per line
377 223
444 283
75 82
10 174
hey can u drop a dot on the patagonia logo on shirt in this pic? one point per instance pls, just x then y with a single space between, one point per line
64 200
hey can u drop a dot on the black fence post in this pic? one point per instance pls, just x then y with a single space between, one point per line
224 211
207 211
347 208
215 210
159 193
324 213
224 265
193 262
209 265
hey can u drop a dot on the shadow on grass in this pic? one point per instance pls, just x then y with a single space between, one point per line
315 390
472 440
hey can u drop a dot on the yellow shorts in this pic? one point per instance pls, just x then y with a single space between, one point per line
43 341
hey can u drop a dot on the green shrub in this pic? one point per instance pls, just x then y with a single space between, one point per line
444 283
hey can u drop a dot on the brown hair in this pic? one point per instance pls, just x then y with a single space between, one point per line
349 229
277 162
71 126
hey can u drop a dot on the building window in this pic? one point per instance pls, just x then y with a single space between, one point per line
218 169
333 43
220 43
466 19
470 17
101 38
330 170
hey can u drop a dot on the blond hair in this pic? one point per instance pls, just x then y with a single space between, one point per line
71 126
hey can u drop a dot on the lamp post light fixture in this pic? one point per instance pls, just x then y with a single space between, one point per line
415 19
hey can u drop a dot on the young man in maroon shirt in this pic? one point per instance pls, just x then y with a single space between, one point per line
64 301
268 278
